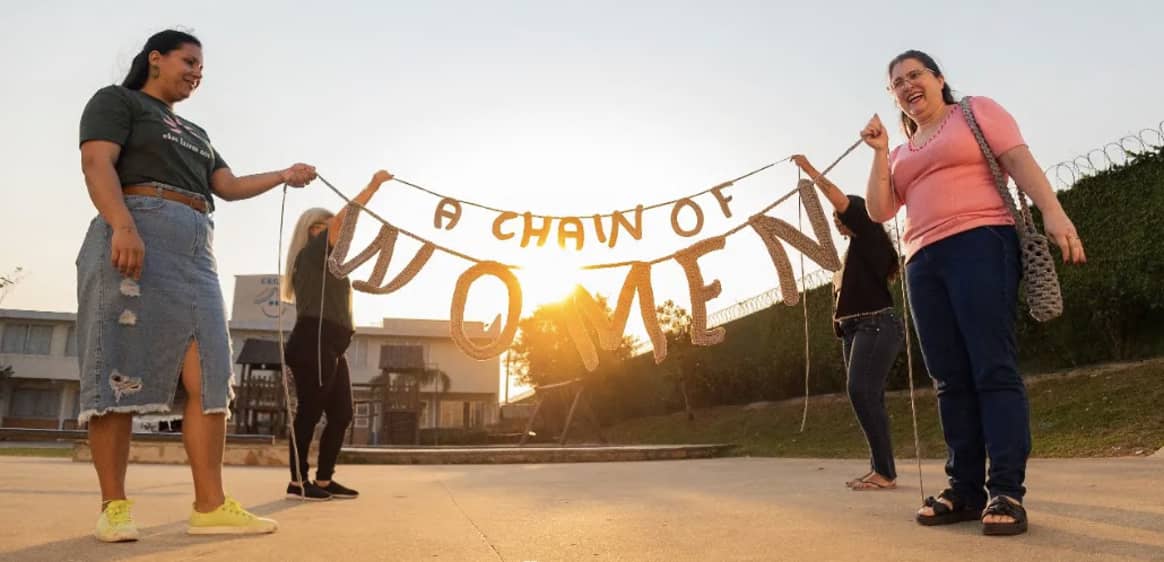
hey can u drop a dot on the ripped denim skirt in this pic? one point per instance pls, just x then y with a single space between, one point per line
132 335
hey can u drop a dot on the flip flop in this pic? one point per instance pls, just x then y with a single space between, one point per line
858 480
869 485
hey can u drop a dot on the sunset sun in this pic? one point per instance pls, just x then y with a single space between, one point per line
547 280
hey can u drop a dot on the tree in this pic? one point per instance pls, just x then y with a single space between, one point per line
405 389
440 382
410 384
676 324
7 281
543 352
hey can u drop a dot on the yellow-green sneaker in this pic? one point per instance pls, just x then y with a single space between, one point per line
229 519
116 524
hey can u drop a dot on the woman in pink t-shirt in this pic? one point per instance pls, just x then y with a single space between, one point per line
963 274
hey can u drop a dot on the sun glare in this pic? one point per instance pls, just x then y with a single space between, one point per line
547 279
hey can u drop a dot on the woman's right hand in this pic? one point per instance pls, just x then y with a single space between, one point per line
379 178
874 134
802 163
298 175
127 251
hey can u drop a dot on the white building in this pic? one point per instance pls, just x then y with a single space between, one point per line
471 401
41 349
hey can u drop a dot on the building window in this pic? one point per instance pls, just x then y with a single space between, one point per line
35 403
402 356
40 340
362 409
14 337
362 353
357 353
361 422
27 339
476 414
452 413
71 343
426 414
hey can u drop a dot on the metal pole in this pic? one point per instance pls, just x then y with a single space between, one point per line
508 360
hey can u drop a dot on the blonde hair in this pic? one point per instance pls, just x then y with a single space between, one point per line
298 241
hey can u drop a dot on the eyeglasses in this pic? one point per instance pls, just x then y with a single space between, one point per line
912 77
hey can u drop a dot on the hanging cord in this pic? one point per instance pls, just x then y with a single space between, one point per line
726 184
283 351
595 266
319 333
804 294
909 355
804 301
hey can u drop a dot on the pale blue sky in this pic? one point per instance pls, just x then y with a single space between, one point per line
557 107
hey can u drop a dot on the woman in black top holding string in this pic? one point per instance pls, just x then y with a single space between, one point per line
315 350
865 321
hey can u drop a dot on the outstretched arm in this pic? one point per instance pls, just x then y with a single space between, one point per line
232 188
333 226
835 196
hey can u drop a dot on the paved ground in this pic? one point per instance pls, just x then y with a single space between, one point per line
718 509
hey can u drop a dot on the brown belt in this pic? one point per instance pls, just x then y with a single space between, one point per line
196 203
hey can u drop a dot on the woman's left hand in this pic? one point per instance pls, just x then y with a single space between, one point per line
1061 231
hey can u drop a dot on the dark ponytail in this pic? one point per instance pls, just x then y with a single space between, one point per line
927 61
162 42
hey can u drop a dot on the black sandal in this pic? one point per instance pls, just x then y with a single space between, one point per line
943 515
1003 505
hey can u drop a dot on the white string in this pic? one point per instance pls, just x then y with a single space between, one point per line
909 354
283 351
804 301
322 295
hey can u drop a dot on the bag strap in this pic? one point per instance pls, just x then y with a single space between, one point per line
1022 218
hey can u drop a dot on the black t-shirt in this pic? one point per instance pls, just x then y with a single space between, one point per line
870 258
156 144
307 278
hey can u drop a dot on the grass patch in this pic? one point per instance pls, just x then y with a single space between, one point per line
53 452
1104 411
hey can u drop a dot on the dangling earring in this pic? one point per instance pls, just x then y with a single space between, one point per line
154 71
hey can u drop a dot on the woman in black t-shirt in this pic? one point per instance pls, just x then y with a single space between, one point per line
865 321
315 350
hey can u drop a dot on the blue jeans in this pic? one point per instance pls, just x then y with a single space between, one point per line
871 344
963 292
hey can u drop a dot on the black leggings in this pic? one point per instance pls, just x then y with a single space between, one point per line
321 387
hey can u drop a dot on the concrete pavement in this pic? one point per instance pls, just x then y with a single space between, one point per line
716 509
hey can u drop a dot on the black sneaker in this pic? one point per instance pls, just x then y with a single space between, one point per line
339 491
310 493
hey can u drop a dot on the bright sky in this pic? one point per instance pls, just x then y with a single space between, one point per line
553 107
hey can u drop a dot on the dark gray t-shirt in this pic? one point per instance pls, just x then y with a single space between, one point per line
317 296
156 144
